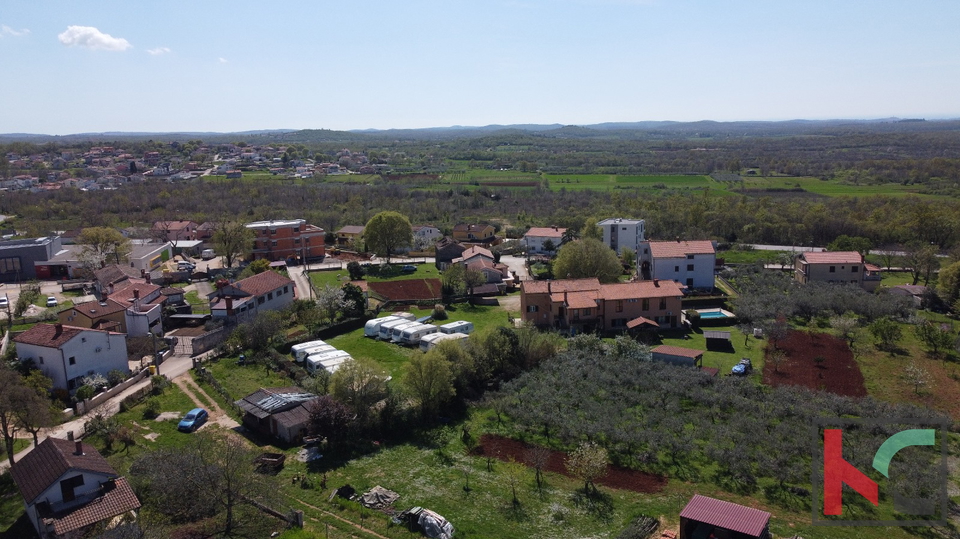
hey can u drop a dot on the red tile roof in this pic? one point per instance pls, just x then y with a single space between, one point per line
545 232
173 225
49 335
124 296
409 289
116 498
726 515
262 283
581 300
94 309
51 459
351 229
562 285
641 289
680 249
475 251
833 257
639 321
677 351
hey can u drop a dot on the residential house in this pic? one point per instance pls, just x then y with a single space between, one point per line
350 235
66 354
144 307
107 315
244 299
474 234
425 235
447 250
582 305
537 238
281 412
291 240
473 254
497 276
709 517
19 258
842 267
915 292
68 487
205 231
174 231
620 234
690 263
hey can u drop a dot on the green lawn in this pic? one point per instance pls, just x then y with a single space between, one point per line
750 256
894 278
723 360
829 187
339 277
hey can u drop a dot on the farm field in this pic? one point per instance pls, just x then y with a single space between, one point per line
836 371
827 187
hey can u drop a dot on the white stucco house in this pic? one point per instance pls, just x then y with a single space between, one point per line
244 299
690 263
66 354
537 236
425 235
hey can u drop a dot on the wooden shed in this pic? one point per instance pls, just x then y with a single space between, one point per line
705 518
718 340
676 355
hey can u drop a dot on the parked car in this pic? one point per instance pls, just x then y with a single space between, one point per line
193 420
52 301
408 269
743 368
4 302
183 265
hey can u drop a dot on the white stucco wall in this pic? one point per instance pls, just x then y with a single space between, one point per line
96 351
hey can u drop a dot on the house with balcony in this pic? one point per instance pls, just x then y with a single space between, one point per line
292 240
350 235
106 315
68 488
66 354
474 234
244 299
578 305
538 238
840 267
690 263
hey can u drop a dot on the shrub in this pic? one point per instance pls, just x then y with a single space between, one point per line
159 382
693 317
85 392
115 377
151 409
439 312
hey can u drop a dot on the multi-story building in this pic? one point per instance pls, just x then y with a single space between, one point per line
536 239
690 263
620 234
292 240
842 267
580 305
66 354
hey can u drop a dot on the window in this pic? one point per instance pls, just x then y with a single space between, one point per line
41 360
644 250
663 303
586 312
689 257
689 267
532 308
273 231
10 264
690 282
854 269
285 290
260 300
624 228
833 269
619 305
296 240
73 360
273 243
269 295
67 486
646 304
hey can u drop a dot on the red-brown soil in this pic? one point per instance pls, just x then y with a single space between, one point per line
838 373
408 290
618 478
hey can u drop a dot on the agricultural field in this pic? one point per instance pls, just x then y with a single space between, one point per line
830 188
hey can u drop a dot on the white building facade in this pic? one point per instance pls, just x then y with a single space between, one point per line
66 354
620 234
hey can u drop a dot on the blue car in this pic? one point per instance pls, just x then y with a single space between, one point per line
193 420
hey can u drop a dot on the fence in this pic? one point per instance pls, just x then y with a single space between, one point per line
93 402
209 340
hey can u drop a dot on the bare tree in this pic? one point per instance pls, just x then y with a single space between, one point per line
538 457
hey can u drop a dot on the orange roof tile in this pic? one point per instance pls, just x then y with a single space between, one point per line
833 257
679 249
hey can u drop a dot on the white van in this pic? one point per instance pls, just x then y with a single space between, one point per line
411 336
372 327
295 349
460 326
398 329
318 349
428 342
323 360
386 328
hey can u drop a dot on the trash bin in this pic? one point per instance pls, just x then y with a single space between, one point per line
153 370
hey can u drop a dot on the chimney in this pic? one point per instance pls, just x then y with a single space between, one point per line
79 446
136 294
70 435
656 283
110 289
229 306
678 239
142 272
147 277
58 327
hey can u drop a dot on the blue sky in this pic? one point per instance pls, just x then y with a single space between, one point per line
173 65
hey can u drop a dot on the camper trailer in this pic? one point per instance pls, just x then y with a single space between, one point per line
372 327
427 342
386 328
295 349
318 349
412 335
324 360
398 329
460 326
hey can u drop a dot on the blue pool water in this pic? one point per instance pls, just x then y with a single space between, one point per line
713 314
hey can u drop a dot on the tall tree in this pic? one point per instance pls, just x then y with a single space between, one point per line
386 232
233 240
359 384
587 258
588 462
922 261
102 245
428 378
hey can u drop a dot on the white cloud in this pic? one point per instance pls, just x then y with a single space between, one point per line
223 60
91 38
7 31
158 51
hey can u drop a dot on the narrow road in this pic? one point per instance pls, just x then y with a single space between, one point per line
186 383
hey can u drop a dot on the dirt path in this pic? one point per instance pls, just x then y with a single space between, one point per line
350 522
217 415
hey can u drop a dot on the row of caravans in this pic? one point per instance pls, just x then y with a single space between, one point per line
319 355
403 328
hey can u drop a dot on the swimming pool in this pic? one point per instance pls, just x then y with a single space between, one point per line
706 314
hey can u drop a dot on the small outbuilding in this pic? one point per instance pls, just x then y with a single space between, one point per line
280 412
706 517
676 355
718 340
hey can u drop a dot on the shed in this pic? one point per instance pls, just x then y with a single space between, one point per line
705 517
676 355
281 412
718 340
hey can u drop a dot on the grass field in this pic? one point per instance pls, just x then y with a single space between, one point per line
827 187
722 360
339 277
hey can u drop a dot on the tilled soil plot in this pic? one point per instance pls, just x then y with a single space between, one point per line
837 373
616 477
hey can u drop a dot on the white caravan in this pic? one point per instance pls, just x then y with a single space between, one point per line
460 326
427 342
295 349
412 335
318 349
324 359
